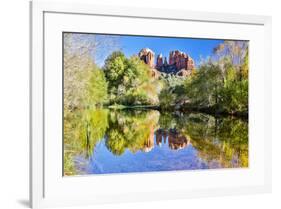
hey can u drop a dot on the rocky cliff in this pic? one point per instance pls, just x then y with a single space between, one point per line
179 62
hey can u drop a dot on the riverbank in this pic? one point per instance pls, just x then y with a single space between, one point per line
122 107
216 111
185 108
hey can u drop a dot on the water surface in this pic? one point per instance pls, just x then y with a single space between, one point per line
103 141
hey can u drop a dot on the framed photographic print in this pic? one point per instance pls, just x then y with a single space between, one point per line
141 104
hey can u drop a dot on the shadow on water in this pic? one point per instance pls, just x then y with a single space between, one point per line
107 141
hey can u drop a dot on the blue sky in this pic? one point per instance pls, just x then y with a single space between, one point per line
131 45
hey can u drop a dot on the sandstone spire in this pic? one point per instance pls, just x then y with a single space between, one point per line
147 55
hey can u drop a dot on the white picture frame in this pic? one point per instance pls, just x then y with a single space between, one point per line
49 188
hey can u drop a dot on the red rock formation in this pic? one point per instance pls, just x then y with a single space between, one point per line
181 60
147 55
178 141
179 63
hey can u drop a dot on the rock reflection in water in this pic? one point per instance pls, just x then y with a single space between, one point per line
175 139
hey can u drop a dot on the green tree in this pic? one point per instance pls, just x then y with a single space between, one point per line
129 80
114 68
221 83
97 88
235 96
167 99
203 89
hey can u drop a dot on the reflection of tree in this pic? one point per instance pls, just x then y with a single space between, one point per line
116 142
82 130
167 121
133 130
223 140
234 134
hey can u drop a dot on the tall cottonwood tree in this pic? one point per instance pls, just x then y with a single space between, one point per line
231 53
81 74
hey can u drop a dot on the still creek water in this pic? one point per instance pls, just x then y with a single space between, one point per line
105 141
